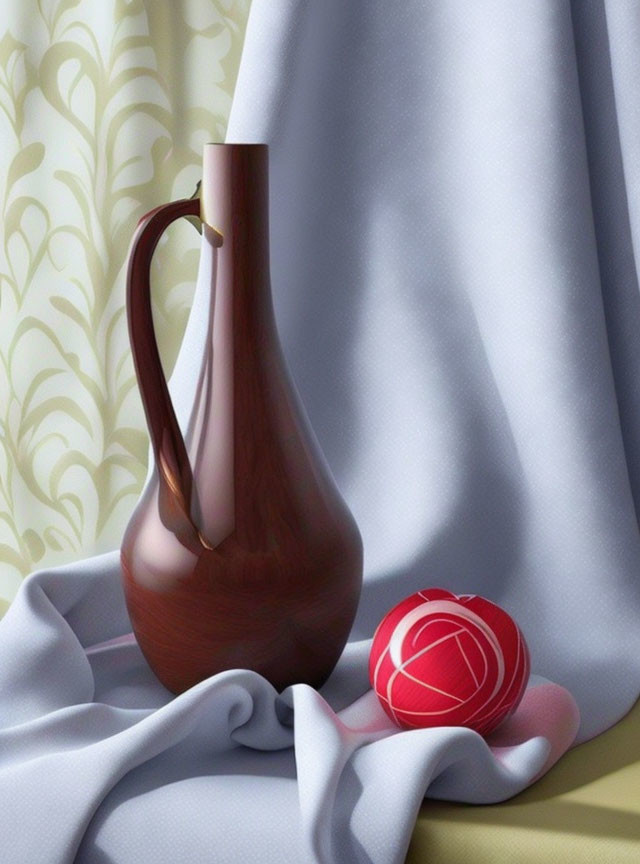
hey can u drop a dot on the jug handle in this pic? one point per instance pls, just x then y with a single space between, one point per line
175 477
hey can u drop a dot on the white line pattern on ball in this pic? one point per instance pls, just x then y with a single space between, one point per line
428 610
435 689
398 669
466 660
401 670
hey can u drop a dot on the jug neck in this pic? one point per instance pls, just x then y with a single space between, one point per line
235 202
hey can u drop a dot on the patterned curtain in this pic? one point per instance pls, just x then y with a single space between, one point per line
105 108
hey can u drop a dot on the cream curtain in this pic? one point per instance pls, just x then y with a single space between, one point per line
105 107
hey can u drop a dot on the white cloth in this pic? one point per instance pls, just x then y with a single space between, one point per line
453 224
98 763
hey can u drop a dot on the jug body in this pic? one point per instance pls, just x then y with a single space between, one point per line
240 553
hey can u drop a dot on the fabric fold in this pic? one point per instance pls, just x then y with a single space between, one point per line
103 724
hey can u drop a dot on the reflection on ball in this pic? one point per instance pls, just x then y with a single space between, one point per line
441 659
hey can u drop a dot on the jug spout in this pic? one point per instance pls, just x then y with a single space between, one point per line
234 201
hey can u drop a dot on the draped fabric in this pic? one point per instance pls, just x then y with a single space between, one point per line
454 219
453 225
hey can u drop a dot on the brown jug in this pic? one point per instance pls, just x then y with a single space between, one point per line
240 552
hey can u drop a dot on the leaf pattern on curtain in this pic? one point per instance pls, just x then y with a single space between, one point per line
104 111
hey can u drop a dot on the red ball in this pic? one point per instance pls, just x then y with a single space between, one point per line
441 659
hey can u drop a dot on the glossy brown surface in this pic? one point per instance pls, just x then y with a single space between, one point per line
241 552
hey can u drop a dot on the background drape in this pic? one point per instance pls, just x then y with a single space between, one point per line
104 110
454 225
